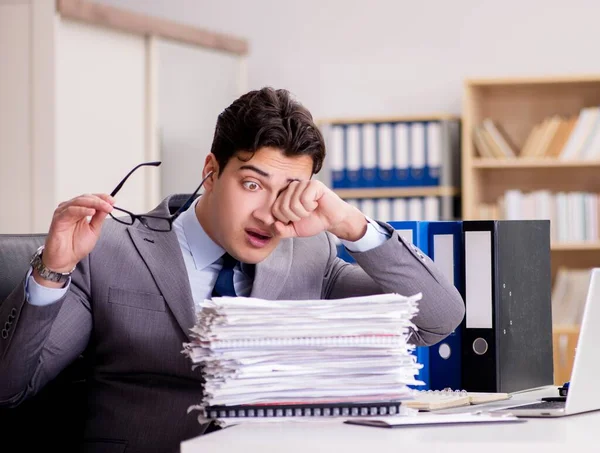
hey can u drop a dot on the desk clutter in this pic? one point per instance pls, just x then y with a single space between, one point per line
432 400
316 358
350 358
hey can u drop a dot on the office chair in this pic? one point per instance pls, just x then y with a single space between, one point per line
65 395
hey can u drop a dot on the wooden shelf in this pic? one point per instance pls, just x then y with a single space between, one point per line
397 192
389 119
565 328
576 246
545 80
148 26
517 105
507 164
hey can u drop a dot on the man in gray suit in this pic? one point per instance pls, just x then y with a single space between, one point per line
124 292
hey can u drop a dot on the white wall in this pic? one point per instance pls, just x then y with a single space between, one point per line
392 57
80 105
194 85
100 121
15 112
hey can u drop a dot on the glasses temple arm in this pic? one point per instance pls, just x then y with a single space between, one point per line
154 164
188 202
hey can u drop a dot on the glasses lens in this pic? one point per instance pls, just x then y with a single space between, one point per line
156 223
121 216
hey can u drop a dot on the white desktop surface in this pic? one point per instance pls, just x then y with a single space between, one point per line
571 434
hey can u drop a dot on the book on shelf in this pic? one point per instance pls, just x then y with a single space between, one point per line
499 139
574 216
569 295
563 137
491 141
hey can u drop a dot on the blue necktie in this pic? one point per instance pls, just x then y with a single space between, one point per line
224 285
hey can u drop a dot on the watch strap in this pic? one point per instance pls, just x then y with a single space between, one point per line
44 272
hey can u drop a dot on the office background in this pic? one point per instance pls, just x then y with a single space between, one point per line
82 102
388 57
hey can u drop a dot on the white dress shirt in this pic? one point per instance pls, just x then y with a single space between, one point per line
203 261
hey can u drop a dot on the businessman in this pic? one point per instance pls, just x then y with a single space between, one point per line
124 289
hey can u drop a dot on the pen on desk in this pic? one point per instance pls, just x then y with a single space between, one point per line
493 414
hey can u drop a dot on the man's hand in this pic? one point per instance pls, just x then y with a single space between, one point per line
71 236
307 208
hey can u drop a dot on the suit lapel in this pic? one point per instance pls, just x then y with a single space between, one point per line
271 274
162 254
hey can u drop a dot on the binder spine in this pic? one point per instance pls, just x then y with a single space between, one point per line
337 152
445 246
434 151
416 233
353 155
479 341
450 154
368 155
401 146
418 158
385 155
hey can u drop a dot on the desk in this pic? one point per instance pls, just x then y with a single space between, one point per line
572 434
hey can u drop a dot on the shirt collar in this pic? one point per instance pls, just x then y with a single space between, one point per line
203 249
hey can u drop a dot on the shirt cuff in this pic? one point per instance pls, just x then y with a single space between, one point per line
374 237
41 295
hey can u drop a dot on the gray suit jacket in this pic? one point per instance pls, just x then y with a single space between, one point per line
130 309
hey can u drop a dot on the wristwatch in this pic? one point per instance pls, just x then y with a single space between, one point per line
45 273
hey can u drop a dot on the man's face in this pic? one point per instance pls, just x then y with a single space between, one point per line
239 203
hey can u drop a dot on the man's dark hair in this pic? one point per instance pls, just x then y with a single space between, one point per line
267 117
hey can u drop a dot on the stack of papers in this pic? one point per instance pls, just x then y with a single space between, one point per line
254 351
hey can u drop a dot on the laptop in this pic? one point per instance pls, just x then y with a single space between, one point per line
583 394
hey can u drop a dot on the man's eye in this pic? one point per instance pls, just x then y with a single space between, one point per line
251 185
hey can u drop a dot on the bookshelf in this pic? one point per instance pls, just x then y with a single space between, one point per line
495 164
517 105
392 179
563 165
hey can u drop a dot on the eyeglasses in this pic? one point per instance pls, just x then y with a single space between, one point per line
152 222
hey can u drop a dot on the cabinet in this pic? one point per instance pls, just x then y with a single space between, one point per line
88 91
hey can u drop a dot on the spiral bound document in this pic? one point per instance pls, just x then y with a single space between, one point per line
339 409
350 341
